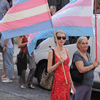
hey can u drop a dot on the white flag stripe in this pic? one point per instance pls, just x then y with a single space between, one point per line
75 11
24 14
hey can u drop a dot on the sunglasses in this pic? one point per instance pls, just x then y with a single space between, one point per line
59 37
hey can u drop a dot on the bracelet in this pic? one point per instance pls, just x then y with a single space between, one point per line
4 45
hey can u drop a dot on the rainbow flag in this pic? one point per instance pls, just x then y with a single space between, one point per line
26 17
75 19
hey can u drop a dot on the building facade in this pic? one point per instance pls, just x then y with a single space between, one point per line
58 3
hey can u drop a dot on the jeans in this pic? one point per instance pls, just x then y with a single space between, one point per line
8 61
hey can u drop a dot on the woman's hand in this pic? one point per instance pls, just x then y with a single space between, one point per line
61 60
73 89
96 63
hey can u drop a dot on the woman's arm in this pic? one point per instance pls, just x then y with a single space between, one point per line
51 68
82 69
20 44
71 84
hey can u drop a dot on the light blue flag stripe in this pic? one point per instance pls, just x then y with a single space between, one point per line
20 1
28 30
70 31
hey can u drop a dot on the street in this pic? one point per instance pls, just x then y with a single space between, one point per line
46 19
12 91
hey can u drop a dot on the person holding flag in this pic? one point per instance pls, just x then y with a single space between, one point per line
60 90
84 64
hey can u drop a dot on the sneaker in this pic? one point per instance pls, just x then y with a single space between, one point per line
7 80
4 78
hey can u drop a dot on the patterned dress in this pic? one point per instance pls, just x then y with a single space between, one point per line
61 90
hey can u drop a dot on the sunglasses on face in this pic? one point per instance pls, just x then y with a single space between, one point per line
59 37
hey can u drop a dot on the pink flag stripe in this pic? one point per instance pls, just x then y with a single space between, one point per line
73 21
31 37
25 22
22 6
84 3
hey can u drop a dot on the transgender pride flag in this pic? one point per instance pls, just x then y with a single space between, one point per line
74 18
26 17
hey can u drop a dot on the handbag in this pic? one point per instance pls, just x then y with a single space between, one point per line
21 62
76 76
47 78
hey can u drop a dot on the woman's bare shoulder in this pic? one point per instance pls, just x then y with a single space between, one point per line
50 51
66 50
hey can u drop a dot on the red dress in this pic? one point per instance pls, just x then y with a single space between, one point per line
61 90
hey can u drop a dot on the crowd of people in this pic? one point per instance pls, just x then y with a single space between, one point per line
7 54
60 90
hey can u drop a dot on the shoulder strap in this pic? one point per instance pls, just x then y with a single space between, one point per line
73 58
66 51
53 60
73 66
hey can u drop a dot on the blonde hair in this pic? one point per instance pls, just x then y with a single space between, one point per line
60 31
79 40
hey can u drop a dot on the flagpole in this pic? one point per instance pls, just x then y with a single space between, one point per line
96 29
60 55
58 47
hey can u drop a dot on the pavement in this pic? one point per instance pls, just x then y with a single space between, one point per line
12 91
5 94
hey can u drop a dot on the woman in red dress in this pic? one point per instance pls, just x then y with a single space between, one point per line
60 90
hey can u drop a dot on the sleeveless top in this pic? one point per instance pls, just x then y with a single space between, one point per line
25 47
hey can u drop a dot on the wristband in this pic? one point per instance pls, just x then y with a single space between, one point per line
4 45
